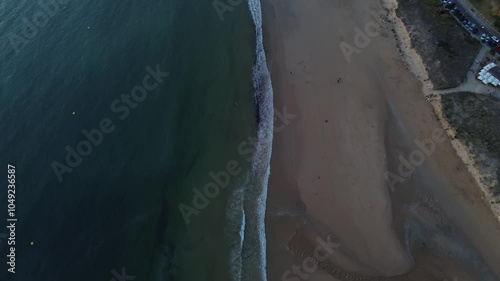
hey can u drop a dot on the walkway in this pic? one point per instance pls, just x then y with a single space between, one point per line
472 84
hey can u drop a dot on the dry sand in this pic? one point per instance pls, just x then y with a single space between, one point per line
328 164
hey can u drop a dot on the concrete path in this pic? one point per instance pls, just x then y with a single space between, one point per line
472 84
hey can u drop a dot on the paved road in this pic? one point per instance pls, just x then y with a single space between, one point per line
470 12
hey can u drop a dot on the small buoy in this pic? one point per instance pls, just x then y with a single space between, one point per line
88 27
74 113
32 243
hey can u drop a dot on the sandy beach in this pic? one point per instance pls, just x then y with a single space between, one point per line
357 117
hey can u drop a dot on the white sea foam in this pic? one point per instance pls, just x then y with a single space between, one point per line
249 257
262 158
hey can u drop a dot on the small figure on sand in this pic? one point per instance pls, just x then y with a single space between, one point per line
338 80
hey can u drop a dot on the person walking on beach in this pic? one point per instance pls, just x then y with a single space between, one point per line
338 80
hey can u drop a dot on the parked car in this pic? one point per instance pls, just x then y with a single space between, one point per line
483 38
450 5
495 39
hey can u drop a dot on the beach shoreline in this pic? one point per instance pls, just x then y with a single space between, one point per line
417 68
328 165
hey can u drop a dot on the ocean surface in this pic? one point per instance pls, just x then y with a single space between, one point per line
141 134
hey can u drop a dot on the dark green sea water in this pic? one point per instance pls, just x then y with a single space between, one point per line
119 207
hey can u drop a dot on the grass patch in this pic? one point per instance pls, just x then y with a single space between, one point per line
488 8
475 119
446 48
